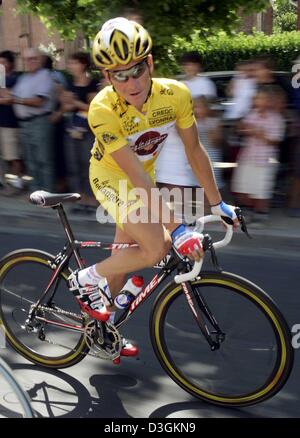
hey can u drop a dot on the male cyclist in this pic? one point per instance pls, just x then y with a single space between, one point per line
131 119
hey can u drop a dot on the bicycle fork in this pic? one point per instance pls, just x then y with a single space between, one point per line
199 308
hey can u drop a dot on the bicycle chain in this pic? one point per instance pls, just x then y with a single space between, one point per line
60 311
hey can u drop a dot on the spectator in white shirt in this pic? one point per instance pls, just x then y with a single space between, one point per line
33 102
198 84
242 89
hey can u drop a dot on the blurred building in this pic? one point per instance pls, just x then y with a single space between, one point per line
262 21
18 32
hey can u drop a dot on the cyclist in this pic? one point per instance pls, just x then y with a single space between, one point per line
131 119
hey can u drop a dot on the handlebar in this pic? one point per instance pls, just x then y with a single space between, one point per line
199 226
200 223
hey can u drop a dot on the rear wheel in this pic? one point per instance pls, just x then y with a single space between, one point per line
24 276
255 356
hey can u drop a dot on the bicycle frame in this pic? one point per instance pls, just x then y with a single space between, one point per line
72 248
172 262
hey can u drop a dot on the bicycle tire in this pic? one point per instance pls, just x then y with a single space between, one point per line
38 259
268 309
22 396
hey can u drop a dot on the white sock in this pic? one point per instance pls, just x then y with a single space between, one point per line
89 276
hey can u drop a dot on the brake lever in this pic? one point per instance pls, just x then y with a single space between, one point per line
242 221
207 244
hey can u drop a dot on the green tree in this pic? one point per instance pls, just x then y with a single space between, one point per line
163 18
285 16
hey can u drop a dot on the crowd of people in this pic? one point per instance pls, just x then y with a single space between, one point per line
253 141
44 132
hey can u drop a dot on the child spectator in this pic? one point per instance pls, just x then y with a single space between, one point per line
263 129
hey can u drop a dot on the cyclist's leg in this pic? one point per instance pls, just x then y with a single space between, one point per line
131 215
154 243
116 282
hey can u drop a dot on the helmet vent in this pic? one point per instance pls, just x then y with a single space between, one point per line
103 57
138 46
121 52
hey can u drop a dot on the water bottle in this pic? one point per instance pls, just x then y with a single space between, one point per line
131 289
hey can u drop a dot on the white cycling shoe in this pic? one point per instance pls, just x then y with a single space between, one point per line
90 299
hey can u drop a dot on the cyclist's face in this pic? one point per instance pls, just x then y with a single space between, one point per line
135 89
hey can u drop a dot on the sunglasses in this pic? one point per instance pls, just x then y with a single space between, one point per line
134 72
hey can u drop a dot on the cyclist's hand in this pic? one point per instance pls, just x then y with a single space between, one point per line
226 212
188 243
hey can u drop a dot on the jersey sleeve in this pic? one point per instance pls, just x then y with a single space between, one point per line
185 114
106 128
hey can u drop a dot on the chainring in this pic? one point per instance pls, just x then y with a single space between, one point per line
103 339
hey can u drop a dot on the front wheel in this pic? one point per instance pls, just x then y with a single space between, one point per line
24 276
254 357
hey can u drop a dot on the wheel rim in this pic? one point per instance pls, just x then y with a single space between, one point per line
203 385
34 273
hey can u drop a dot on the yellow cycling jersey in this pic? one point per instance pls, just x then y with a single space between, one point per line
116 123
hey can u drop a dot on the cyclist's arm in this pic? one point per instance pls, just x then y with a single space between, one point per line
200 163
130 164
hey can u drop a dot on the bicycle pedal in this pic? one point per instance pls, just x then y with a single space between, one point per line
117 361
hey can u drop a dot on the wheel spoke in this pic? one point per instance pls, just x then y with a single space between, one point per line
21 286
253 360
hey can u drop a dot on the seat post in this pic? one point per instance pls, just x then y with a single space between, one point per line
65 223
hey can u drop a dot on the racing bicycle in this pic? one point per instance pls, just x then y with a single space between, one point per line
217 335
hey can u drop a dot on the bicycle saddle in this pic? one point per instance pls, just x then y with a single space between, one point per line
47 199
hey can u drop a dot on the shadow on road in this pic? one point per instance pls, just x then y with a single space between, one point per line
57 394
202 409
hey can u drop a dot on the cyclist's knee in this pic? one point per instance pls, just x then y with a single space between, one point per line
157 252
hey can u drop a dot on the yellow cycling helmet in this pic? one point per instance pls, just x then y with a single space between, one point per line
119 42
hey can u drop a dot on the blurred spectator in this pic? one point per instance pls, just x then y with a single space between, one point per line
263 129
81 90
57 76
198 84
242 89
172 166
33 103
264 71
210 134
294 189
9 138
58 121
